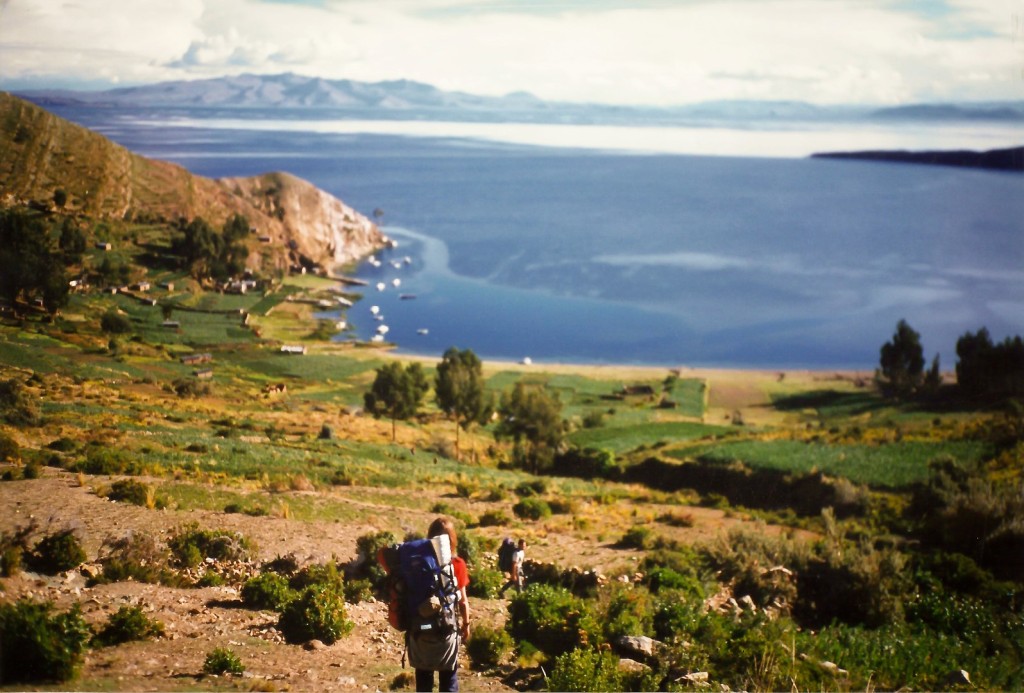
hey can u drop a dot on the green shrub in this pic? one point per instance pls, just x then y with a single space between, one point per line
318 614
136 556
32 470
357 591
527 489
494 518
628 613
659 578
485 583
10 451
553 619
127 624
113 322
368 545
532 509
17 405
676 616
57 552
267 591
63 445
488 647
110 461
190 545
10 560
136 493
319 574
221 661
585 669
38 646
637 537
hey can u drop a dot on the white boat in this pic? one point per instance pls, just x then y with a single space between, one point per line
526 361
382 329
407 260
381 286
423 330
377 338
374 309
396 282
397 264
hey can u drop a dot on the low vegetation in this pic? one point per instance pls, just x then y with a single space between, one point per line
880 539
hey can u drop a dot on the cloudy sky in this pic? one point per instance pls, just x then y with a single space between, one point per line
610 51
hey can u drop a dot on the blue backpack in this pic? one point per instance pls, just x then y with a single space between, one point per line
422 590
506 555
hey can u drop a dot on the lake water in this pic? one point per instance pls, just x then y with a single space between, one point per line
610 252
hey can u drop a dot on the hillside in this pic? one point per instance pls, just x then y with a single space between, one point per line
41 153
1011 159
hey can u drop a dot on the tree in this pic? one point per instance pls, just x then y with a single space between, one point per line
901 365
459 390
72 241
396 392
29 268
60 197
985 368
533 420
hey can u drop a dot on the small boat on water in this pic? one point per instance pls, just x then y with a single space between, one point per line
381 286
374 309
423 331
407 297
396 282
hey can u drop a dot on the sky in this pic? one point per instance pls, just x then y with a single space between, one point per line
639 52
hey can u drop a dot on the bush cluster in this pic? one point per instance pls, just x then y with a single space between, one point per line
38 645
488 647
319 613
56 553
532 508
190 545
126 624
222 661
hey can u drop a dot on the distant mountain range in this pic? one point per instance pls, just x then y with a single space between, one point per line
404 99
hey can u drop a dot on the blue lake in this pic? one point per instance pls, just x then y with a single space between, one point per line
586 255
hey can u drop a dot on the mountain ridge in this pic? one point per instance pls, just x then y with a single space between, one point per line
43 152
392 98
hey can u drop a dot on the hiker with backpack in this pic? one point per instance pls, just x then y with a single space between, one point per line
510 560
427 583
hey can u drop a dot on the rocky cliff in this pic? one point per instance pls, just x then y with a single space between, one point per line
40 153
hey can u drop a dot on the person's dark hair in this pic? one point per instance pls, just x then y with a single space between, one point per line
443 525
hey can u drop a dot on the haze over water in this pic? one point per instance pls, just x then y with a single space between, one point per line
585 253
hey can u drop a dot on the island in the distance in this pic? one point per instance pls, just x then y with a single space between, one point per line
1011 159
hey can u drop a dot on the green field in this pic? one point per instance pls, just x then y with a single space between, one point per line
893 466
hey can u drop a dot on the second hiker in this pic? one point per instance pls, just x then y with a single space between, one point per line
515 569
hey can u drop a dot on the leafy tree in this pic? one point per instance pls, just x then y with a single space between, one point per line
72 241
901 365
113 273
208 253
396 392
29 268
459 389
984 368
533 420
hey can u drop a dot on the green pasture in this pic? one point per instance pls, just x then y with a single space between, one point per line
623 438
892 465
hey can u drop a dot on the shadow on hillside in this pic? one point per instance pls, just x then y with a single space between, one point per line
849 403
766 489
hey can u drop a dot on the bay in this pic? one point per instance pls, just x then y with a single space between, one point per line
602 255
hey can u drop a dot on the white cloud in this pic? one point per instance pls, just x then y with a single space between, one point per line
616 51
